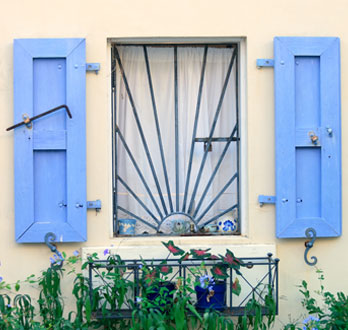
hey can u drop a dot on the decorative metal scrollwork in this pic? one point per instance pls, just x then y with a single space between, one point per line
57 261
312 234
49 239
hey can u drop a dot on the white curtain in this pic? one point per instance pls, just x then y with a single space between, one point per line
189 67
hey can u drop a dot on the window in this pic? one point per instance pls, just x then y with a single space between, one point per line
176 141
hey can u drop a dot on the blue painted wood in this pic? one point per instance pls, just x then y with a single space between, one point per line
43 140
50 173
302 136
307 102
262 62
263 199
50 185
93 67
308 182
23 142
94 205
76 99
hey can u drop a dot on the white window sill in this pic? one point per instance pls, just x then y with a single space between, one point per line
151 247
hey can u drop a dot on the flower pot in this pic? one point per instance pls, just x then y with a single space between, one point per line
217 300
228 223
126 226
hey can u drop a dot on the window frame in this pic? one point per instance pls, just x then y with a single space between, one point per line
242 127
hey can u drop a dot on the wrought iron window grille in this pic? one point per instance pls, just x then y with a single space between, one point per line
176 195
258 279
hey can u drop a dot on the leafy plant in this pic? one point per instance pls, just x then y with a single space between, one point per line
257 315
50 300
325 310
98 308
110 294
218 271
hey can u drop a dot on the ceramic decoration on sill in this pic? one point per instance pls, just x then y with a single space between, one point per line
228 223
176 224
180 226
126 226
211 228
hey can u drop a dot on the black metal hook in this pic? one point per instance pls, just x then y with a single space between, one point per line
49 239
28 120
310 233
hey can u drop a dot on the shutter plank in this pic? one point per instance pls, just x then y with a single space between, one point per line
76 193
285 135
49 140
23 160
331 151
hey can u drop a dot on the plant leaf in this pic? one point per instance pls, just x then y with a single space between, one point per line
175 250
231 260
164 269
219 272
200 254
236 288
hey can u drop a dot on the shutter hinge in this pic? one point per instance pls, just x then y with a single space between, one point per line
264 62
266 199
94 205
93 67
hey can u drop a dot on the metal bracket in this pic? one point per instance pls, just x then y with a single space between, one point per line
310 233
93 67
214 139
49 239
266 199
263 62
58 260
27 121
94 205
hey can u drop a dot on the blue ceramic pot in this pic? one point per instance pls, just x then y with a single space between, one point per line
217 301
126 226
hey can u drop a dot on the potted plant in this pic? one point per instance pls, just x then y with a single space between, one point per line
210 275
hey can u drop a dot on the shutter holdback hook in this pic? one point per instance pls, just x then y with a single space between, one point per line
310 233
50 238
27 121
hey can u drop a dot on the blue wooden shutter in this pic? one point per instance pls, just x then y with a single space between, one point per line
50 158
307 105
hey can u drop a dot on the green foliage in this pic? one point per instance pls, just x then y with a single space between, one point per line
223 263
50 300
160 304
325 310
254 317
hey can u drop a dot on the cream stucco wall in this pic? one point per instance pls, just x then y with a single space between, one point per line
258 22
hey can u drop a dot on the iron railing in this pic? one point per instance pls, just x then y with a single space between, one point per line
258 280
